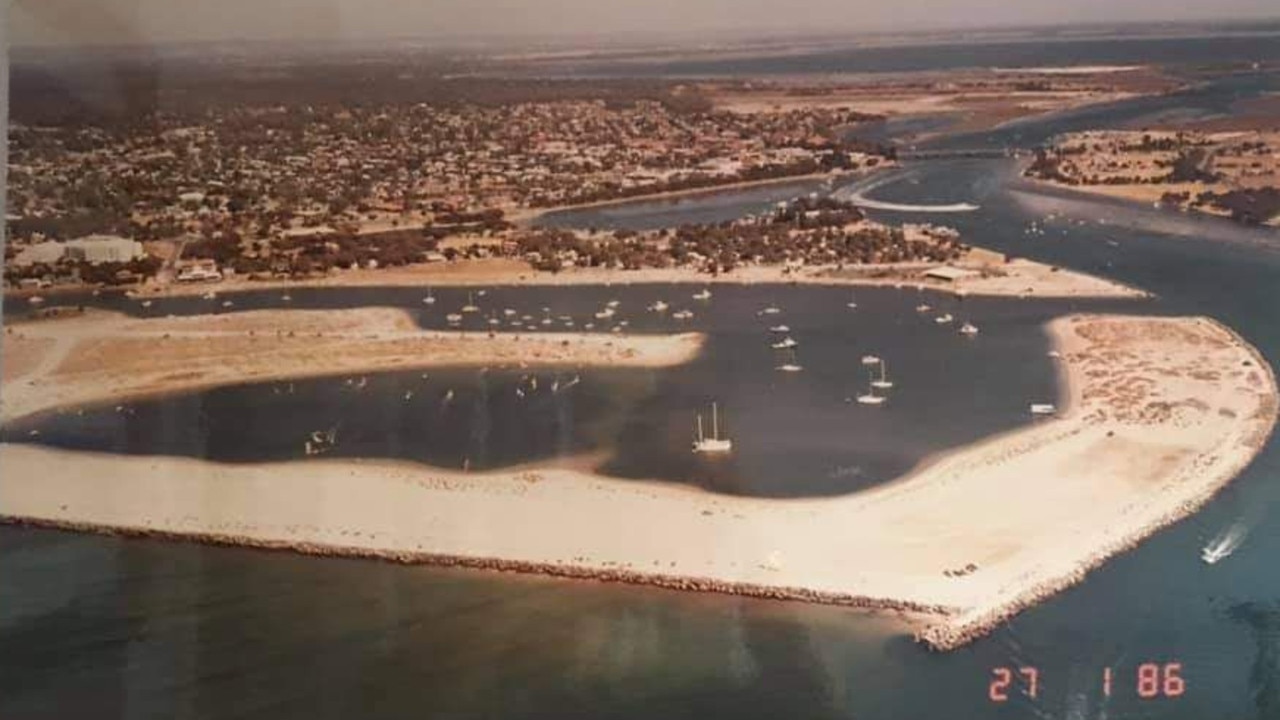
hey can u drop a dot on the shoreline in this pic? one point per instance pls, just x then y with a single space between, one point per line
1019 277
526 216
1022 542
684 583
80 360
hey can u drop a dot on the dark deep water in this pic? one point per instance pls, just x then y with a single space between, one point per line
106 627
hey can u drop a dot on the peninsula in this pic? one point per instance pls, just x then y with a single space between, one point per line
1156 415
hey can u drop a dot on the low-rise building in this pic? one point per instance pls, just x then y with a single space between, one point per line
47 253
96 249
201 270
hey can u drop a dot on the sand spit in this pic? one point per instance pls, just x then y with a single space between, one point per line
101 356
1157 415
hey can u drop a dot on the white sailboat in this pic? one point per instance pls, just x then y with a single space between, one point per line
785 344
704 294
682 314
969 329
471 306
1043 409
430 299
659 306
714 444
321 441
605 313
853 301
870 397
883 383
944 319
453 318
790 366
780 329
771 310
870 360
923 307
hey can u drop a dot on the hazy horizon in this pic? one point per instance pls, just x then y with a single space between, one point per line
73 23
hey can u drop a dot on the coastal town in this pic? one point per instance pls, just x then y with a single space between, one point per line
289 190
229 179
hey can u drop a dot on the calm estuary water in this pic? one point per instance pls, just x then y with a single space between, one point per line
102 627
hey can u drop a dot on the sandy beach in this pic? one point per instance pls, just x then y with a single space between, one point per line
99 356
1015 278
1157 414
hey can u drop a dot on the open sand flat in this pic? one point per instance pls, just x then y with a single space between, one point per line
100 356
1157 414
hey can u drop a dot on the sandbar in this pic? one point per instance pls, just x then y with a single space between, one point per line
100 356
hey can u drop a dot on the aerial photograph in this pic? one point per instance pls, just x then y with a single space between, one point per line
640 359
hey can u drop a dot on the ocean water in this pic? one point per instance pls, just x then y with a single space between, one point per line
1214 50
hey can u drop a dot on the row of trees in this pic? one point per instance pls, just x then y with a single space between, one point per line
810 231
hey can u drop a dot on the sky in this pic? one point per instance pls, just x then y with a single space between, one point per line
131 22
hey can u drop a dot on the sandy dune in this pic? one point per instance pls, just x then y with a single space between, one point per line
1157 415
100 356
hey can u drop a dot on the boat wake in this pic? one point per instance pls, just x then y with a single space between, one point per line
858 197
1224 544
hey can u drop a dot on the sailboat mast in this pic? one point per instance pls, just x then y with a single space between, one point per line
715 422
699 427
882 378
